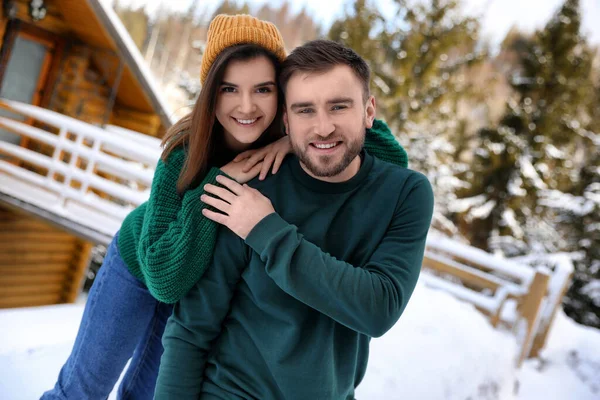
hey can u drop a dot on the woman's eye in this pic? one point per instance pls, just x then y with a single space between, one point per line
227 89
263 90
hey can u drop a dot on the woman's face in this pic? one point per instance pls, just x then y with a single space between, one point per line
246 101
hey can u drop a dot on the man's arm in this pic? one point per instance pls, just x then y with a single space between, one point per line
196 321
368 299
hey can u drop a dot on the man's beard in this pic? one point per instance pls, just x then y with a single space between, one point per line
327 167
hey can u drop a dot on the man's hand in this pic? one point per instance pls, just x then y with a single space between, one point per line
244 207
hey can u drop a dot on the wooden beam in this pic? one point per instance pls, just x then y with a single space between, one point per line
530 310
78 267
31 300
12 248
34 281
46 264
76 229
47 288
464 274
542 336
33 238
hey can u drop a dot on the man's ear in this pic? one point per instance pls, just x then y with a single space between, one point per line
370 112
285 123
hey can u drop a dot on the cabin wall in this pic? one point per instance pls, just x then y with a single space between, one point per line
137 121
79 91
39 264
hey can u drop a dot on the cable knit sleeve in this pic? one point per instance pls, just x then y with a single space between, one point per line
177 241
381 143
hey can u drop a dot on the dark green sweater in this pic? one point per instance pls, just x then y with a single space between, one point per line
167 243
288 314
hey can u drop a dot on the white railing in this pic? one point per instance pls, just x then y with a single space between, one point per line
107 173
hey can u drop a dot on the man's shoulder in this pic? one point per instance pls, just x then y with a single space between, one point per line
388 171
271 178
399 185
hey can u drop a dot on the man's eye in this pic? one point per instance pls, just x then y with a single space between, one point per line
337 108
305 111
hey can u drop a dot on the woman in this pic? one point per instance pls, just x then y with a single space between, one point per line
164 246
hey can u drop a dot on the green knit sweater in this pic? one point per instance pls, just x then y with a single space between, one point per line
167 243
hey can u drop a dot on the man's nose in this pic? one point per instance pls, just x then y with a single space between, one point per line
325 125
247 105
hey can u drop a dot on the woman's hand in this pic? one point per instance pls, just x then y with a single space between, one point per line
270 155
244 207
235 169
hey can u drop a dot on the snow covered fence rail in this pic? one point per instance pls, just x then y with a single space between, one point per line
76 171
523 298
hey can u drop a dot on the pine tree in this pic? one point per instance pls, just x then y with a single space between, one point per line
420 59
136 21
580 223
551 86
231 8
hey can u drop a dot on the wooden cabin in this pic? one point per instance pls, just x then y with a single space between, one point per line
75 58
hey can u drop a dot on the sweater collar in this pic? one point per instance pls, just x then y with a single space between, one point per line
318 185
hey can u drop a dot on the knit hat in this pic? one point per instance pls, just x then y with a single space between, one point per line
229 30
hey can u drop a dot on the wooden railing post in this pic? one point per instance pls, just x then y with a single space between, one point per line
542 335
79 266
530 310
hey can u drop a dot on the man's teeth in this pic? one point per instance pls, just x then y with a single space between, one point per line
246 121
325 146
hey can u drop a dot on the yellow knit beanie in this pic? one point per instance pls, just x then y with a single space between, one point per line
229 30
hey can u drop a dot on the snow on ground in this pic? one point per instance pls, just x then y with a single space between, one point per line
440 349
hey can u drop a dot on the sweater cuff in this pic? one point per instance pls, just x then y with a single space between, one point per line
265 231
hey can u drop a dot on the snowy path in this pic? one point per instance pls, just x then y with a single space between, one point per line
440 349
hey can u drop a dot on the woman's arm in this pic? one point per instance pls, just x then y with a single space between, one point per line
177 241
381 143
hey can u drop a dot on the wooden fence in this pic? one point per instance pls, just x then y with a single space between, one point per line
521 298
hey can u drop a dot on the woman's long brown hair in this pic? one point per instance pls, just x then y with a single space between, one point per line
199 132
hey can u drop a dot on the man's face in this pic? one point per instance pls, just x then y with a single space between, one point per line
326 116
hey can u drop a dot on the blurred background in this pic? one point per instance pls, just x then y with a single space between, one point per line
497 102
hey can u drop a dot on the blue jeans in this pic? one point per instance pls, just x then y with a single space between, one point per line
120 319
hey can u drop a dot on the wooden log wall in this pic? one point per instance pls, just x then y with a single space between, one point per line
79 91
82 92
39 264
137 121
3 22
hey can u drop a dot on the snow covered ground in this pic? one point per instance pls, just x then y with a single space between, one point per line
440 349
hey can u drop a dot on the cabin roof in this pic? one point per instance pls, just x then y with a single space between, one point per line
95 23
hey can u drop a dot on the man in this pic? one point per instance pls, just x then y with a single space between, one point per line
289 315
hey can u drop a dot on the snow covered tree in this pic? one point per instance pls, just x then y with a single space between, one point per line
552 89
420 57
579 221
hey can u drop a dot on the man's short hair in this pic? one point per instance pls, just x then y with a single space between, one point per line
322 56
